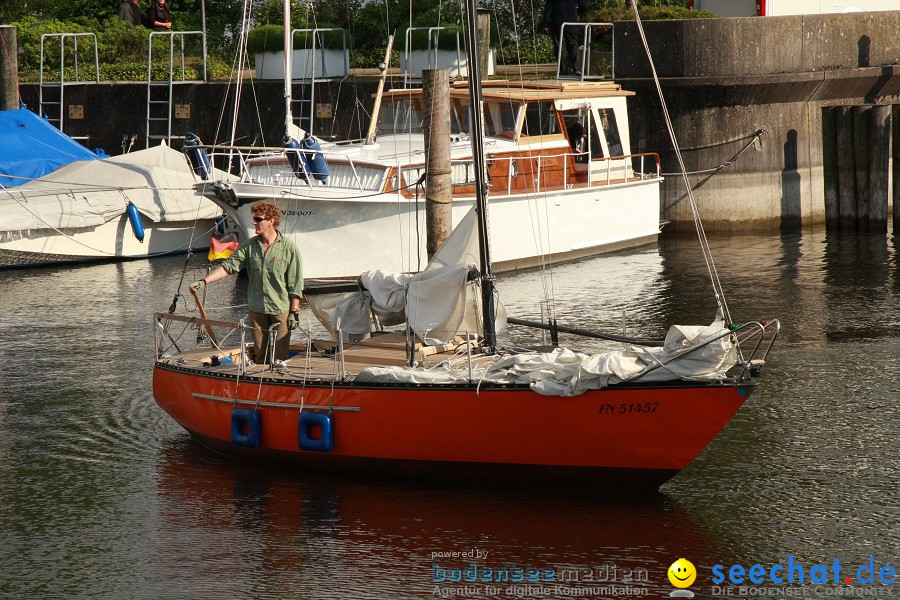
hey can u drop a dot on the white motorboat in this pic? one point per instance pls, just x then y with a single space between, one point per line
563 180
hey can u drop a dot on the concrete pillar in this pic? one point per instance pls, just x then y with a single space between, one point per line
878 167
9 69
846 167
830 168
861 144
438 183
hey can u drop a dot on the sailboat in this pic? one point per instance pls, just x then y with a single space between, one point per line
441 397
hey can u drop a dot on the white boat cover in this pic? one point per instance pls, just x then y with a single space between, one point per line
88 193
439 303
695 353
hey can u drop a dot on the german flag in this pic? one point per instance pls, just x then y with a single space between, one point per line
221 247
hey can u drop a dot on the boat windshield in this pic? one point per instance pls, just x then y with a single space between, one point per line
399 116
501 119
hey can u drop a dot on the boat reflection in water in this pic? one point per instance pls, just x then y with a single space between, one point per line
320 537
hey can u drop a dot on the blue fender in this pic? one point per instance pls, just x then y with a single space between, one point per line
305 429
245 427
134 217
197 156
316 165
294 156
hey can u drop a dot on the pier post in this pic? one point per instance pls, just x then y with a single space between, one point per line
438 182
895 135
9 68
878 167
861 144
830 167
846 167
484 39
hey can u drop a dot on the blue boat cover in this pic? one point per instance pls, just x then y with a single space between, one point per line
30 147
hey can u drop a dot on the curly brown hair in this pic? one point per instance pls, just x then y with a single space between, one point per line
267 209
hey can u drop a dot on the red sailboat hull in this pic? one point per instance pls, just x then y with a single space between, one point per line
624 435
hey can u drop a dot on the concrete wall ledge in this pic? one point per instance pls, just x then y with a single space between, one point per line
868 85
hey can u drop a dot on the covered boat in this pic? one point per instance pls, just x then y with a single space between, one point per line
136 205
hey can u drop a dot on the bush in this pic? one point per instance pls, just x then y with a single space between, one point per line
270 38
122 52
370 58
529 50
649 13
446 39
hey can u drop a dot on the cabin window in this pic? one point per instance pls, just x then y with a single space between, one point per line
400 116
583 135
611 131
500 119
540 119
576 124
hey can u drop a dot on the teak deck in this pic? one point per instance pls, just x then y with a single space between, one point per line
380 350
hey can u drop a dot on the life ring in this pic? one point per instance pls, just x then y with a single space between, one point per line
305 429
245 427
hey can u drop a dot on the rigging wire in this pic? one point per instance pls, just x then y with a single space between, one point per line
701 234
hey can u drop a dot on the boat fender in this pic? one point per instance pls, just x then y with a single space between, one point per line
134 217
306 428
197 156
245 427
316 165
294 156
221 224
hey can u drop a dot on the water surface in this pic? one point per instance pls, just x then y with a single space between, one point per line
102 495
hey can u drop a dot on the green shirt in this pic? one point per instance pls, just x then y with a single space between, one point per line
275 275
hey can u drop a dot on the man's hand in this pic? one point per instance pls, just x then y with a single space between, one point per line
198 285
293 320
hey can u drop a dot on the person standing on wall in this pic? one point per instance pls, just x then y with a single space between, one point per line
275 272
557 12
130 12
160 17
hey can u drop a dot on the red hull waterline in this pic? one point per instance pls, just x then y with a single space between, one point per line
627 435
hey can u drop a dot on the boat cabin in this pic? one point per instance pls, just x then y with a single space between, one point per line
539 136
560 133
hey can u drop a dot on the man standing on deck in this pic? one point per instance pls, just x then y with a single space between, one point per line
557 12
275 271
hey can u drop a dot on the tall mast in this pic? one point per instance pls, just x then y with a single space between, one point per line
476 134
288 55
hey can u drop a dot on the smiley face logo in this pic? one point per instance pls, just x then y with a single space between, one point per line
682 573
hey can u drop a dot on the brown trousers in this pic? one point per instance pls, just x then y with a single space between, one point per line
260 331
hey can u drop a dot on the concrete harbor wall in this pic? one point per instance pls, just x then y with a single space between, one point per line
724 81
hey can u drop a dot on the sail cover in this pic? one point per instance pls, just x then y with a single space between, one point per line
439 303
30 147
693 353
87 193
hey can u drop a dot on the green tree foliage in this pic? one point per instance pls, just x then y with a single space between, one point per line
123 48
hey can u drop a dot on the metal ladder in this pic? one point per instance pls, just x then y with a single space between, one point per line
52 106
588 70
314 69
160 92
431 54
